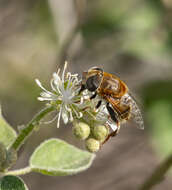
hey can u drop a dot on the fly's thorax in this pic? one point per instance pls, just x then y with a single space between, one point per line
112 86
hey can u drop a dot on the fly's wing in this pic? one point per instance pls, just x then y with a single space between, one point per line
136 114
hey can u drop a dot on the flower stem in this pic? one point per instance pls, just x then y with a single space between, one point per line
158 175
24 134
18 172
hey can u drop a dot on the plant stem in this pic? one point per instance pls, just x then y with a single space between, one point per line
24 134
158 175
21 171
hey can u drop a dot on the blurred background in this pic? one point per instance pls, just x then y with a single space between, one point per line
132 39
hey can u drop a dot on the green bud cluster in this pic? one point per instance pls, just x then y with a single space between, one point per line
94 136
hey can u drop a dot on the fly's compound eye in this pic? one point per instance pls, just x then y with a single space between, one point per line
92 83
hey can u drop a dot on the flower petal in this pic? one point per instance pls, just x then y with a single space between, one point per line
45 95
56 79
40 85
54 86
59 116
48 122
65 116
44 99
64 70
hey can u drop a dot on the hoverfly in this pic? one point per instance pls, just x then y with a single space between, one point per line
119 103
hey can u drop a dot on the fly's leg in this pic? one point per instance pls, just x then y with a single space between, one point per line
112 134
93 96
98 104
113 116
82 89
112 113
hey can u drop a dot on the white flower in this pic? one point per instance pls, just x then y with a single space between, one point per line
64 95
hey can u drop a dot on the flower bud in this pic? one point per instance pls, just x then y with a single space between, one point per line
92 145
81 130
100 132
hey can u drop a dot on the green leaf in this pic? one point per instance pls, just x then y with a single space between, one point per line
7 134
12 183
58 158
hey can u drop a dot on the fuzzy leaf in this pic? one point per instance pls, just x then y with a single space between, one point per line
7 134
58 158
12 183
